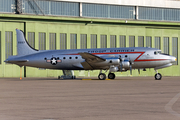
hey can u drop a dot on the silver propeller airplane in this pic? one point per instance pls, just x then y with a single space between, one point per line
112 59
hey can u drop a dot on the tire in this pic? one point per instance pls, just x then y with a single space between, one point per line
111 76
158 76
102 76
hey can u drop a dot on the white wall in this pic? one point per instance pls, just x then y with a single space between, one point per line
152 3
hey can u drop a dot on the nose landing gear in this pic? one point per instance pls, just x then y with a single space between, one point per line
157 76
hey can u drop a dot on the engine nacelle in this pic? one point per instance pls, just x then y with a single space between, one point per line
125 64
107 63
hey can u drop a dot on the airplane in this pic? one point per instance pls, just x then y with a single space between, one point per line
112 59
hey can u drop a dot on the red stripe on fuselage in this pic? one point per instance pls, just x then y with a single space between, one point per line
136 60
111 53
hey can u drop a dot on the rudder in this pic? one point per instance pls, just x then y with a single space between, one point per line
23 48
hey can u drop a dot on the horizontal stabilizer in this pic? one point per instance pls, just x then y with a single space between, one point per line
15 61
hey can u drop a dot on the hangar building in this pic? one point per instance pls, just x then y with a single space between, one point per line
76 24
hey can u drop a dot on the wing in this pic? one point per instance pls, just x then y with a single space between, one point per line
90 59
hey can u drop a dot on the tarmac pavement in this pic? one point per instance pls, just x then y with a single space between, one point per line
125 98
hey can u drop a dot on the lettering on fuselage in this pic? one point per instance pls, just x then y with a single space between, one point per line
96 51
116 50
126 50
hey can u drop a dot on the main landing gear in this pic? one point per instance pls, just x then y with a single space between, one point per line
111 76
157 76
102 76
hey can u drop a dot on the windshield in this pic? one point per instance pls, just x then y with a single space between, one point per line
157 52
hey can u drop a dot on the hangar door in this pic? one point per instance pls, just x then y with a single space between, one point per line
8 47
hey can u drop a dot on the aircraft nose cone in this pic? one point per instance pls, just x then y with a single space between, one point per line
173 59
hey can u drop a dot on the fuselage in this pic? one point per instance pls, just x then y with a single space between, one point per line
71 60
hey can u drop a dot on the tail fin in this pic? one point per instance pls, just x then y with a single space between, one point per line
23 48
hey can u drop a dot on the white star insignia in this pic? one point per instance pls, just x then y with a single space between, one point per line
53 61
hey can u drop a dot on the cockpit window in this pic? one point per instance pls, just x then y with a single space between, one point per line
157 52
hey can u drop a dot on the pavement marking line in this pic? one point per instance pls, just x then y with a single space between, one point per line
168 107
86 79
95 79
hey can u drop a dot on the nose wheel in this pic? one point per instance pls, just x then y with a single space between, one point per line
158 76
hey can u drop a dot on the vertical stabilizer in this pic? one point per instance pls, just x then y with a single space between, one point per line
23 48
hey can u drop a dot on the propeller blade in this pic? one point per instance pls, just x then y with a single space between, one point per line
121 67
130 70
120 63
139 71
20 73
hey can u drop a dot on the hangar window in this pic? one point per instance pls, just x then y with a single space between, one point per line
83 41
63 41
122 41
158 42
31 39
73 39
9 43
151 13
131 41
52 41
175 49
148 41
108 11
140 41
7 6
103 41
112 41
50 7
93 41
42 41
166 45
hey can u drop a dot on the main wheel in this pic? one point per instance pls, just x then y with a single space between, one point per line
102 76
158 76
111 76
